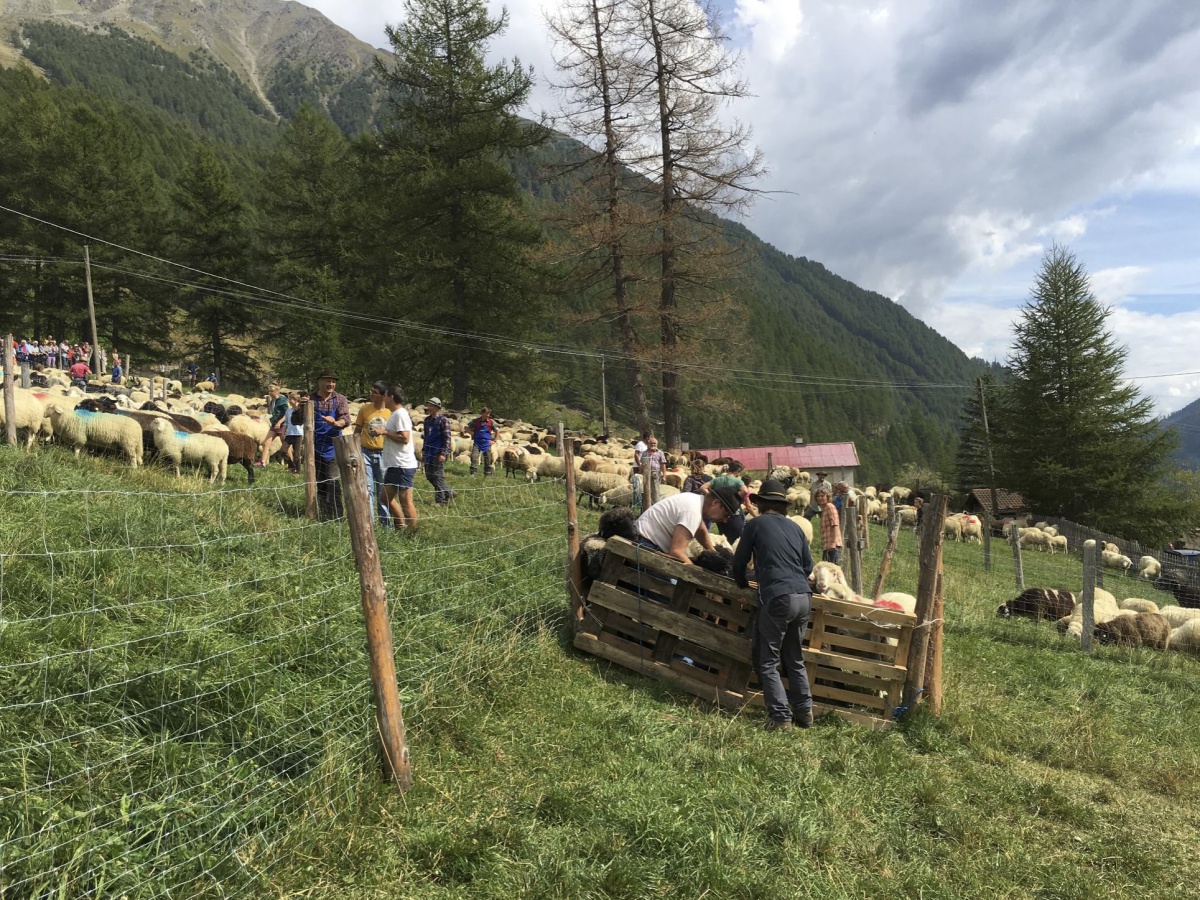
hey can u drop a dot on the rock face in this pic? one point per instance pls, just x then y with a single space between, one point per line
259 40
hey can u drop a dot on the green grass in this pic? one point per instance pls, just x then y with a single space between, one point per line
206 728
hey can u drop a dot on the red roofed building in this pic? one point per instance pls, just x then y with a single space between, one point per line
839 460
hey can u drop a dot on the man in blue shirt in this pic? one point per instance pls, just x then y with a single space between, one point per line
331 413
439 442
483 432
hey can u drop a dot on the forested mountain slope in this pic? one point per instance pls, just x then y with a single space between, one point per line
1186 423
857 366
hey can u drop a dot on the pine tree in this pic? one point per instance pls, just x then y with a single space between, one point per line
1079 441
971 465
460 236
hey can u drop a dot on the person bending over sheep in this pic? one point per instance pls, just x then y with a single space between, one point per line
782 566
670 524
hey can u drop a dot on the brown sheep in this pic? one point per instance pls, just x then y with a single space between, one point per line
242 449
1122 631
1154 629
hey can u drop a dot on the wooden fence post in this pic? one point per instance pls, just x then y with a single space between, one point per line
987 542
931 559
852 548
310 461
1014 538
25 375
865 525
933 660
770 463
10 393
644 471
888 551
1089 596
574 573
388 715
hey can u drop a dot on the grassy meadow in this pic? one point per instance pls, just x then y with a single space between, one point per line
185 711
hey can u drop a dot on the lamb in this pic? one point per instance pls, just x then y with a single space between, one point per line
1186 637
1149 568
972 528
1104 608
1039 603
1115 560
29 416
195 449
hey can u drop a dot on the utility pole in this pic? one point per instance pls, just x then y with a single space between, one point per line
87 269
603 396
987 439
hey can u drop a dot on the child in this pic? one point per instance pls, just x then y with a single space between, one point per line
294 434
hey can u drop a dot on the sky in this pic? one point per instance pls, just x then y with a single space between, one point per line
932 150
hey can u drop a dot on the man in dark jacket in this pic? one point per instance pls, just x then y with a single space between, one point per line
331 413
782 566
439 442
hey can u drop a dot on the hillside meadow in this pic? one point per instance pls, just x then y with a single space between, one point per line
186 712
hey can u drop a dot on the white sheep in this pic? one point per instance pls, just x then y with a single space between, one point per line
805 526
1186 637
254 427
1058 542
595 484
1104 608
826 574
1138 605
1179 615
102 431
901 493
30 413
1149 568
1034 537
194 449
1115 560
952 528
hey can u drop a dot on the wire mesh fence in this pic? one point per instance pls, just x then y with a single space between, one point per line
183 676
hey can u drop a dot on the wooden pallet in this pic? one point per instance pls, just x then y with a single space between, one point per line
688 627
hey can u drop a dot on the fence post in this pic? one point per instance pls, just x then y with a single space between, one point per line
931 562
933 662
987 542
574 574
644 471
888 551
25 375
1014 538
852 547
310 461
770 463
10 393
1089 596
388 715
864 525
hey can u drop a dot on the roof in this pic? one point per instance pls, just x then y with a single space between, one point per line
1010 502
812 457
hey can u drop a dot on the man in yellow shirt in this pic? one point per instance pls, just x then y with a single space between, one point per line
372 419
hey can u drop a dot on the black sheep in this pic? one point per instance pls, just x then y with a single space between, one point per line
1039 603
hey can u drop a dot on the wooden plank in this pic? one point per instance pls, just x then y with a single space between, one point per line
849 679
657 616
703 604
673 568
858 718
860 646
862 611
633 631
681 600
827 692
882 670
656 670
816 635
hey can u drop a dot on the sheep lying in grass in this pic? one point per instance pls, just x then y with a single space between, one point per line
1135 630
1179 615
1115 560
1149 568
1137 604
1037 604
1104 608
179 447
29 416
1186 637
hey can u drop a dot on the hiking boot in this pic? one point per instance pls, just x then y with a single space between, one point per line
803 718
778 725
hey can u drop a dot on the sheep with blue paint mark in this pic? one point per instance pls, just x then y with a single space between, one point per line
179 447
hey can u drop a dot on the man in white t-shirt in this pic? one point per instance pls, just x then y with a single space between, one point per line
669 525
399 461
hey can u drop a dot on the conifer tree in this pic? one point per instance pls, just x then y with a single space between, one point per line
461 238
1079 441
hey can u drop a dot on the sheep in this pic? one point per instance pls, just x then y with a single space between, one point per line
1137 630
1111 548
1104 608
1179 615
901 493
594 484
805 526
623 496
30 413
547 467
952 528
1137 604
898 601
203 387
1039 603
972 528
1115 560
195 449
101 431
798 498
517 460
1058 542
1186 637
1034 537
254 427
826 574
1149 568
908 515
68 428
242 449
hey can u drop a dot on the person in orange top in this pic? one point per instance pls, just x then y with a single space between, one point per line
831 529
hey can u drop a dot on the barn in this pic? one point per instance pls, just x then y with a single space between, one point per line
839 460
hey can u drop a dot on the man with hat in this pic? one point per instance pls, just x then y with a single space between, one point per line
822 484
670 524
331 413
438 444
782 565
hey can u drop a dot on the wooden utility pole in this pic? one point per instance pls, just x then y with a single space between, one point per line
987 439
1014 538
890 550
574 572
931 559
388 715
852 548
10 393
87 271
310 460
987 542
604 397
1089 596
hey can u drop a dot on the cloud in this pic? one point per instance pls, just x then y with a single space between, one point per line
1113 286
